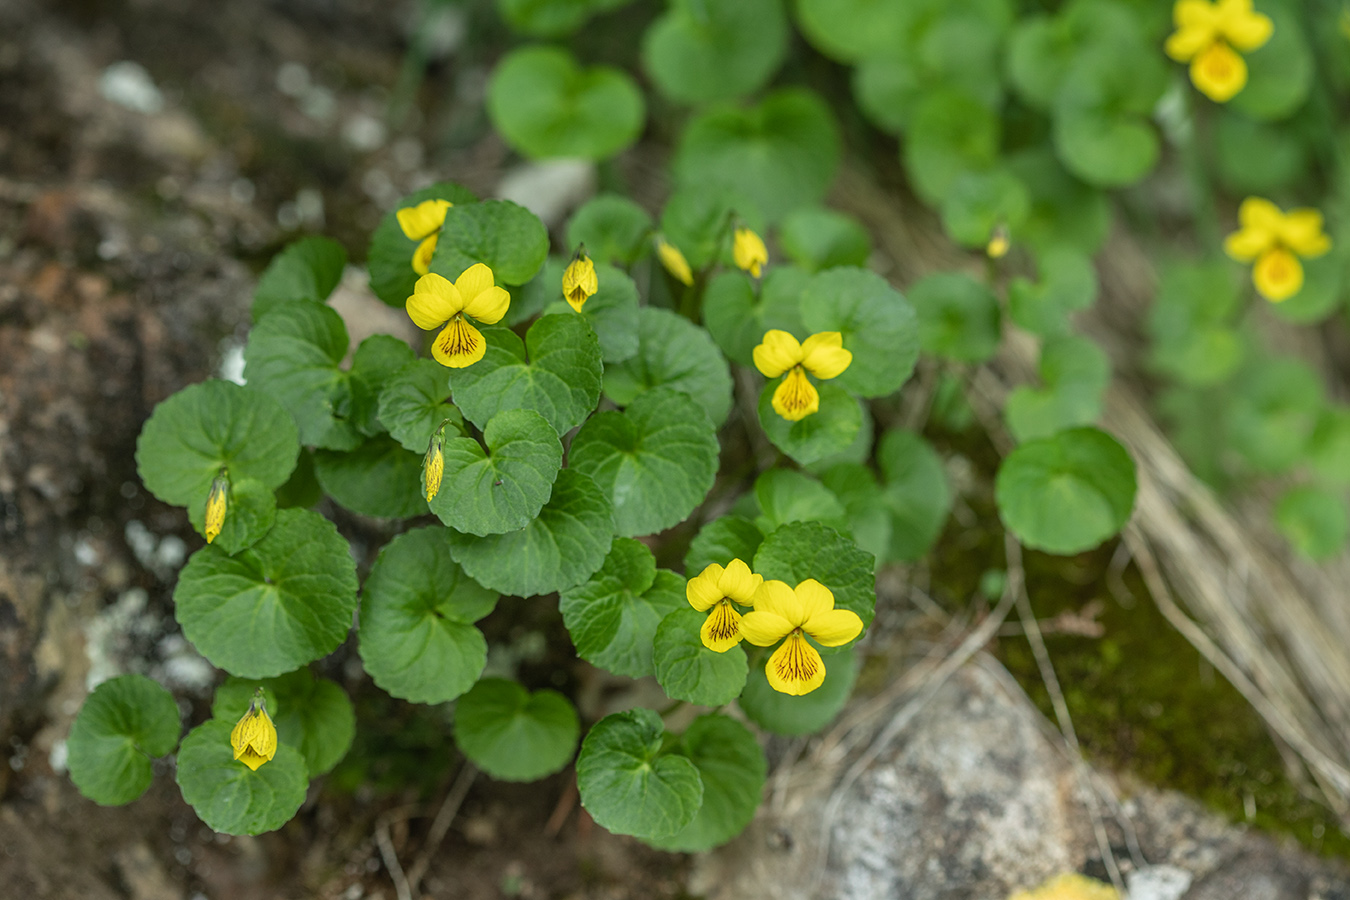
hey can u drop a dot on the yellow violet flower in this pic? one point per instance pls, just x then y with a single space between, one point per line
579 282
783 612
716 588
423 223
254 738
436 302
823 355
1069 886
1275 240
749 251
433 464
216 503
1000 242
674 261
1205 37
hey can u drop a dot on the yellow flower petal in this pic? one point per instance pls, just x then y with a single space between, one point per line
489 306
421 258
1247 244
824 356
458 345
796 398
579 282
748 250
834 627
254 737
764 629
216 504
722 629
739 583
796 667
1069 886
674 261
434 301
703 590
779 598
1260 213
1278 275
473 281
1197 27
778 352
1219 72
1301 231
815 598
1242 26
421 220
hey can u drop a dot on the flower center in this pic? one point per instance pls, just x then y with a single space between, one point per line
459 338
725 623
796 393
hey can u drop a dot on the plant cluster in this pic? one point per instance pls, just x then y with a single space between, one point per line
569 406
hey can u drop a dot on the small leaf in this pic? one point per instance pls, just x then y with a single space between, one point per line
560 547
546 105
375 362
1314 521
819 238
1075 373
689 671
675 353
613 617
230 798
1271 413
509 239
916 494
626 783
418 610
514 734
205 427
314 715
276 606
1068 283
951 133
414 403
879 327
293 354
559 378
612 312
704 52
1066 493
1329 447
733 769
391 251
786 714
801 550
853 30
980 202
492 493
379 478
823 434
786 496
613 228
123 724
655 461
308 269
958 317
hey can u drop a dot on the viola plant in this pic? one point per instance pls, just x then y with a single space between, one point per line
1209 36
1275 240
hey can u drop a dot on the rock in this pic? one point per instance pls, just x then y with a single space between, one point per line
1261 876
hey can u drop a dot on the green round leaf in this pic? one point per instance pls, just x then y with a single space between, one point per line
733 769
1279 72
737 315
1075 373
689 671
418 640
612 228
1272 412
251 509
700 52
801 550
627 784
1068 283
301 491
1329 448
1040 50
786 714
374 363
1101 127
227 795
980 202
613 617
293 354
613 314
484 493
559 378
888 90
276 606
414 403
545 105
785 495
782 153
509 239
825 433
655 461
391 251
514 734
675 353
552 18
1314 520
560 547
122 724
379 478
819 238
308 269
722 540
879 327
204 427
314 715
1191 324
950 133
869 520
916 493
1256 157
1066 493
852 30
1064 211
697 219
958 317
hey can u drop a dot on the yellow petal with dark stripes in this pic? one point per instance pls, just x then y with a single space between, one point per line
796 667
433 302
722 629
458 345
